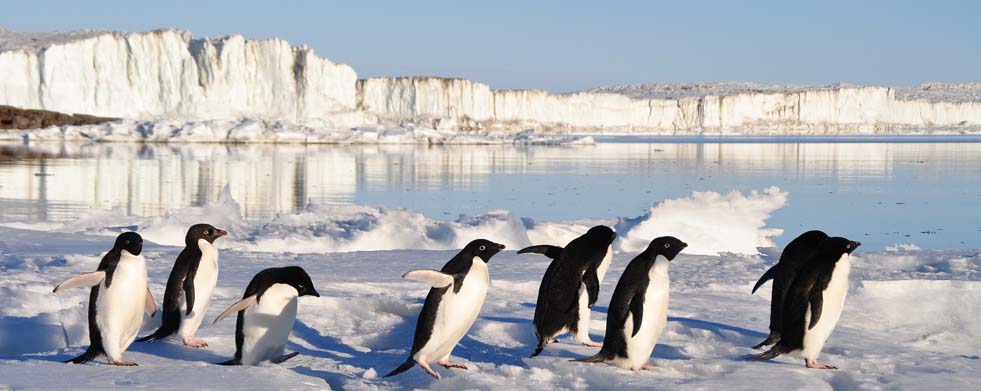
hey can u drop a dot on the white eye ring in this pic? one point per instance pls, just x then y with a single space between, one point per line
482 248
667 245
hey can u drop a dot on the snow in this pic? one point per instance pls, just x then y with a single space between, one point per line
908 324
166 75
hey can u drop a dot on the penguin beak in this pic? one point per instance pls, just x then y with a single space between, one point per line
684 245
220 232
314 293
500 247
855 245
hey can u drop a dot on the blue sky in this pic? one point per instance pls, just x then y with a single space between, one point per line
572 45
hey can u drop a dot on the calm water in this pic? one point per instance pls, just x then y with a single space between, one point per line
928 194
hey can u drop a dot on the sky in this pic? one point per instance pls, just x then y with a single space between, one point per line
564 46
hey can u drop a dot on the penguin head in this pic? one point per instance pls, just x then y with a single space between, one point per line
132 242
299 280
668 246
602 234
839 246
202 231
483 248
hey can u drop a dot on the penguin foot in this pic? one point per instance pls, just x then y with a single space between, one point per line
647 367
450 364
815 365
123 363
195 343
592 344
429 370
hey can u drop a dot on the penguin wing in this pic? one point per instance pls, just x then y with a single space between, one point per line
188 286
238 306
637 310
553 252
816 302
150 306
769 275
434 278
591 279
86 280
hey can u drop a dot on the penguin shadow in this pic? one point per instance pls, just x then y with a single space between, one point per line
745 335
172 349
327 347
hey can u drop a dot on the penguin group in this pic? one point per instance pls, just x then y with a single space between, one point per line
810 282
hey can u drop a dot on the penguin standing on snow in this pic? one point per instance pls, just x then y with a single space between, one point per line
638 311
451 307
194 275
798 252
814 302
118 298
266 314
570 285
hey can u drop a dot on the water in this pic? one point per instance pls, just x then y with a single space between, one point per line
926 193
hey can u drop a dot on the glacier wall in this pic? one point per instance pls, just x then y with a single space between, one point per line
168 75
831 110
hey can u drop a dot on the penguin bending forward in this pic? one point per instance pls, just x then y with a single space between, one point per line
266 314
814 302
194 276
638 312
797 253
451 306
118 298
570 285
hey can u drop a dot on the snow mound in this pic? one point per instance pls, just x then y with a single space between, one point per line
249 130
709 222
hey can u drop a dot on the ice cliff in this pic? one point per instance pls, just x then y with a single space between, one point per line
168 75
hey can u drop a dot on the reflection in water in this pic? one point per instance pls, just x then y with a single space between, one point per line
930 192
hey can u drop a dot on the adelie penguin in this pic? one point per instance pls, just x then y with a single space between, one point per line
266 315
118 298
638 312
797 253
193 277
570 285
814 302
451 306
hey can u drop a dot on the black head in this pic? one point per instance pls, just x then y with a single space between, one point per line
837 246
483 248
668 246
298 278
132 242
601 234
202 231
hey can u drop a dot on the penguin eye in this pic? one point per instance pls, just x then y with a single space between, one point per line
482 248
667 245
300 286
207 232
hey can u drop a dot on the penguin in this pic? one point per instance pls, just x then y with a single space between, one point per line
570 285
195 274
451 306
814 302
117 300
794 256
638 311
266 315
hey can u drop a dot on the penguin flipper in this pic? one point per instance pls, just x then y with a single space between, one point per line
434 278
553 252
408 364
150 306
637 311
82 280
591 279
816 303
769 275
188 287
238 306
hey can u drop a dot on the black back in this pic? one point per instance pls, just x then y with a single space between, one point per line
181 280
797 253
628 297
558 294
806 289
294 276
132 243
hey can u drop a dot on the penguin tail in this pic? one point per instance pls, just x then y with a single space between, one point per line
163 332
770 340
598 357
408 364
769 354
230 362
90 354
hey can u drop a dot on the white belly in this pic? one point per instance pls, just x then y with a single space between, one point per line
267 324
834 302
119 308
205 280
655 319
456 313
